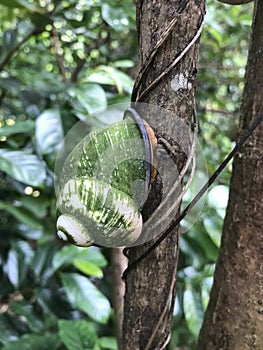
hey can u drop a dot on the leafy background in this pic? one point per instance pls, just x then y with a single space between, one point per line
60 61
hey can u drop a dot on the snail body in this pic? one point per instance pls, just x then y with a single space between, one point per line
104 184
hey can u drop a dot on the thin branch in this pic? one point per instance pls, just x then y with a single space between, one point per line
56 44
16 48
78 68
59 56
95 44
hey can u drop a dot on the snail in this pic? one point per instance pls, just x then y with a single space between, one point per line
104 183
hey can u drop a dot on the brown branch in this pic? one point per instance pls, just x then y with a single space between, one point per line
16 48
80 64
59 56
235 2
76 71
55 42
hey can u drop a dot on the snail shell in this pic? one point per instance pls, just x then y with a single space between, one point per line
104 184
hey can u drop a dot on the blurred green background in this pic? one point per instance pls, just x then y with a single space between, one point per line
60 61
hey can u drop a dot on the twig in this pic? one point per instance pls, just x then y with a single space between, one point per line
56 45
78 68
15 48
59 56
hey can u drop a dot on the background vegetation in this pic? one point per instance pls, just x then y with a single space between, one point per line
60 61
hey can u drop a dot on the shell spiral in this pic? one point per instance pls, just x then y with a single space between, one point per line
104 182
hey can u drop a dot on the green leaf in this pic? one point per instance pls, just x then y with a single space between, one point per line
123 64
21 214
37 206
68 254
90 96
43 259
23 167
25 311
52 302
116 17
108 343
23 4
18 262
88 268
193 310
77 335
21 127
8 331
93 255
9 38
64 257
49 131
34 342
85 296
111 76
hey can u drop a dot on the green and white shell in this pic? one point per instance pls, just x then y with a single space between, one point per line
103 185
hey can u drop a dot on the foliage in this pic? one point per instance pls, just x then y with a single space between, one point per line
59 62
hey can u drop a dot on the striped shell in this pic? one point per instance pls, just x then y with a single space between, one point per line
104 183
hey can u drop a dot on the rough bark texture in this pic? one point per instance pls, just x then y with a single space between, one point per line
148 285
234 317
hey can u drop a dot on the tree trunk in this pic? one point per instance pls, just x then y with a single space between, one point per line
234 317
147 312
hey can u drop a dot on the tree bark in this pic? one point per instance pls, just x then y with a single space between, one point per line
234 316
147 313
118 265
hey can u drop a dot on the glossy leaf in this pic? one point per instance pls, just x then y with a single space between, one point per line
84 295
77 335
34 342
21 4
22 214
88 268
108 343
49 131
115 17
111 76
24 127
90 96
25 311
43 259
23 167
7 329
69 254
18 262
